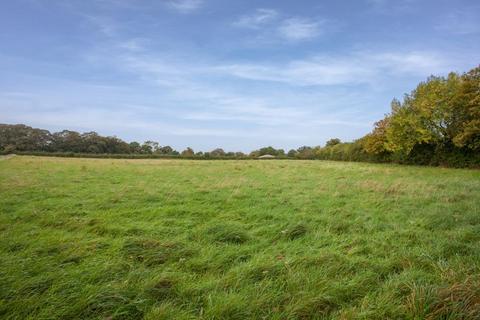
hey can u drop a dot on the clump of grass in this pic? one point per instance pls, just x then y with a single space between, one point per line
162 289
460 299
37 287
340 227
229 306
266 271
295 232
228 233
134 231
167 310
104 230
456 301
74 258
110 303
15 247
316 307
153 252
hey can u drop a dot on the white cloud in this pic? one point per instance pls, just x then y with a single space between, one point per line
182 82
213 101
296 29
260 18
361 67
249 109
413 63
275 26
185 6
357 68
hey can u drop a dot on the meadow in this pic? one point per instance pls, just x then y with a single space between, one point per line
276 239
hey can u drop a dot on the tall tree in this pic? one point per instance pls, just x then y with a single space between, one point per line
467 131
332 142
188 152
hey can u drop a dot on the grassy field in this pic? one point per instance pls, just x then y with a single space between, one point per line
179 239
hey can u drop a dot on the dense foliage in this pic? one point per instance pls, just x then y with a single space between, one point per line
438 123
18 138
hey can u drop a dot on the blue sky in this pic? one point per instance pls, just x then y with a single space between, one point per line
233 74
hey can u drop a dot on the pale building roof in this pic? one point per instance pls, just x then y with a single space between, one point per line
266 156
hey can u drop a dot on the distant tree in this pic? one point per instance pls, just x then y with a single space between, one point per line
188 152
92 142
165 150
305 152
292 153
135 147
267 150
146 148
333 142
217 153
114 145
254 154
150 146
67 141
24 138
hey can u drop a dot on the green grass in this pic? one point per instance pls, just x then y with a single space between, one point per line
179 239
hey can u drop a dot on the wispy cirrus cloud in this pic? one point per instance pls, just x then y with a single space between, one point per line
185 6
296 29
357 68
182 81
259 18
272 24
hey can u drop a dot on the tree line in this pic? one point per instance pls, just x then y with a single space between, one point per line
438 123
20 138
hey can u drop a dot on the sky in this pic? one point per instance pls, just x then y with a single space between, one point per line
236 74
